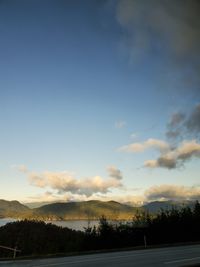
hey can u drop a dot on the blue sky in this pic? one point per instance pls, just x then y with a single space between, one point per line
81 80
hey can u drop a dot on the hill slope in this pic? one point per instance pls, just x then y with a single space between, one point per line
157 206
12 208
85 210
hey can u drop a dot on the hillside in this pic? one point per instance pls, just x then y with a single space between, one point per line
12 208
85 210
157 206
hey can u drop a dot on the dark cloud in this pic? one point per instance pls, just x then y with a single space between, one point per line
115 173
193 122
175 24
169 29
182 125
176 157
165 162
176 119
174 126
172 192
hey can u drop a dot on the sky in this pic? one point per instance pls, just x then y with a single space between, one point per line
99 99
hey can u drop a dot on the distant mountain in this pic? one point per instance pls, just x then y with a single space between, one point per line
85 210
12 208
33 205
156 206
93 209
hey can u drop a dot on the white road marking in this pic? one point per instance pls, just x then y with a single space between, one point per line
182 260
85 260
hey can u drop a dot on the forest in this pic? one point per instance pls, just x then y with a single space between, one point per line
36 238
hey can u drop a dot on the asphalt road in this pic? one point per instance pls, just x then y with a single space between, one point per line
167 257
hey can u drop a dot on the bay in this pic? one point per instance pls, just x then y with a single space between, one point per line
72 224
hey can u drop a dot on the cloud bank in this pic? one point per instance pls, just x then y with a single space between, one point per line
172 192
65 182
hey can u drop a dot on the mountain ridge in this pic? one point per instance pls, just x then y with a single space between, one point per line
84 210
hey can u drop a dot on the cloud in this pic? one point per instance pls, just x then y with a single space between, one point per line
170 157
183 133
176 157
120 124
20 168
184 125
65 182
134 135
172 192
150 143
174 125
193 121
169 29
115 173
174 25
49 196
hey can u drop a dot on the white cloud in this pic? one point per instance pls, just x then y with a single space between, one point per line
134 135
49 196
170 157
21 168
65 182
150 143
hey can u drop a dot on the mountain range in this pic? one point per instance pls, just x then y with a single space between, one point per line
85 210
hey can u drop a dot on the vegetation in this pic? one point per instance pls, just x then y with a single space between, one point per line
12 208
85 210
38 238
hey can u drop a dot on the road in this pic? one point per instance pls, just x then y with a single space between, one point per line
160 257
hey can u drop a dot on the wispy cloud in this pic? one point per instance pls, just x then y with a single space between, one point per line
168 28
21 168
150 143
177 25
120 124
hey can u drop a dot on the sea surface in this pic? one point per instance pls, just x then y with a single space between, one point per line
75 225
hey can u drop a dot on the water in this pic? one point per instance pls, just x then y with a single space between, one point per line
6 220
75 225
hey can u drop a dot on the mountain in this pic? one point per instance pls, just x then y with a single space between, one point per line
33 205
93 209
12 208
85 210
156 206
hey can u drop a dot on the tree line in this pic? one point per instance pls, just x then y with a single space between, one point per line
35 238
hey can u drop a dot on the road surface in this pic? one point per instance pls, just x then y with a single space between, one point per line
160 257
